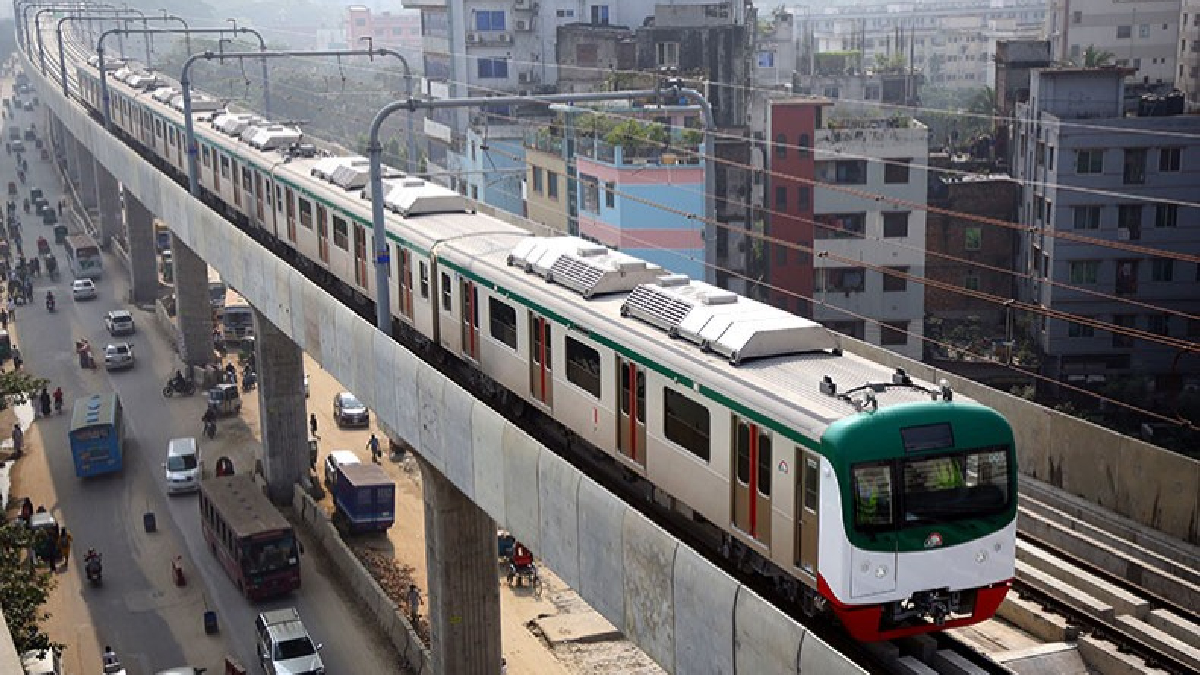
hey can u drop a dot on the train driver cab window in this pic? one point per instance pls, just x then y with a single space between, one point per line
872 487
948 487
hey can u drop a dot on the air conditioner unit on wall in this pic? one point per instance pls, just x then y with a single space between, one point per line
472 37
505 38
523 78
521 3
523 25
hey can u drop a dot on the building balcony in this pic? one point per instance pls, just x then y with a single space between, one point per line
489 38
617 155
544 143
417 4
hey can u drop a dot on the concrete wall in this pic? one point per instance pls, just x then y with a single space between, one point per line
647 584
367 591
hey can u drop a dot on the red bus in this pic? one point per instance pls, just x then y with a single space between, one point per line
255 544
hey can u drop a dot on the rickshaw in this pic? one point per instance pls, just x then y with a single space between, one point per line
5 346
43 246
225 399
60 234
51 267
45 534
12 189
224 466
49 217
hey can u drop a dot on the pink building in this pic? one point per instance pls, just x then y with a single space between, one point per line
401 29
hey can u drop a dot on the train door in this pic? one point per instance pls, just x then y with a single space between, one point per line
258 196
808 500
360 256
751 488
405 284
541 379
289 208
323 234
631 418
469 310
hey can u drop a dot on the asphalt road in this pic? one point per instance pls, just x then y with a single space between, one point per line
151 623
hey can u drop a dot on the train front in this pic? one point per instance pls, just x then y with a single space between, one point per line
923 535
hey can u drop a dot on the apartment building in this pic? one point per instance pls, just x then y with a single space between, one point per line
1089 170
1142 36
1187 77
400 29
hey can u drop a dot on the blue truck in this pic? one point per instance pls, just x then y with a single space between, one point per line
364 498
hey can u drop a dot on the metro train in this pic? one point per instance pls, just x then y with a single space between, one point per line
862 492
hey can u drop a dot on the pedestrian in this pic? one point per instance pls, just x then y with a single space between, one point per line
312 424
53 547
17 362
58 399
26 510
503 666
373 446
18 441
414 604
12 309
64 547
44 399
3 319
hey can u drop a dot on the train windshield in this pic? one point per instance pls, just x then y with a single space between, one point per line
932 489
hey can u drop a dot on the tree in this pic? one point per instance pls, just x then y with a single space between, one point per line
19 384
1094 58
23 591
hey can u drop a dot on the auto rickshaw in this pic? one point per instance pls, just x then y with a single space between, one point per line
35 193
45 534
49 216
60 234
5 346
12 188
225 399
43 246
224 466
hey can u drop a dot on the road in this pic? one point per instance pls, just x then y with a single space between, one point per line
150 622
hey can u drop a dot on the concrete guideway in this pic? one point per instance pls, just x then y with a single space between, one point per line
683 611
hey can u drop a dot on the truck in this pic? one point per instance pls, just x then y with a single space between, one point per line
364 497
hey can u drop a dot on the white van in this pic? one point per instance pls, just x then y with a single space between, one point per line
182 465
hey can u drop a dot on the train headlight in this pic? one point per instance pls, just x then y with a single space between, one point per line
981 557
881 571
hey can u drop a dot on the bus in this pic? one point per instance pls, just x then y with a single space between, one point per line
97 435
237 318
216 290
255 544
83 257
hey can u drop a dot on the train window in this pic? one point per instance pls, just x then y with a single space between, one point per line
171 137
686 423
535 347
503 320
205 156
306 215
872 495
927 437
583 366
341 234
742 441
447 293
764 464
224 166
641 390
247 182
953 486
810 483
424 278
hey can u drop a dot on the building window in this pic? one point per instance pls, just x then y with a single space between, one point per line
1084 271
1079 330
1158 324
1124 32
565 13
893 283
1087 217
1144 30
583 366
893 333
599 15
1166 215
895 224
802 197
855 329
1089 161
551 185
1168 159
805 144
1162 269
766 59
503 321
780 146
841 279
341 234
1129 219
686 423
610 194
971 281
489 20
492 69
1135 166
839 225
780 198
539 180
896 170
1127 277
973 238
1077 17
1124 321
667 53
591 194
843 172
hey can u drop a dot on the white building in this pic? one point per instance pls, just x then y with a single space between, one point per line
1188 75
1140 35
843 157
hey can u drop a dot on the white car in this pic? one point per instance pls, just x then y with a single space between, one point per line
118 355
119 322
83 289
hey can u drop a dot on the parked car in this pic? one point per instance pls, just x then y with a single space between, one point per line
284 645
118 355
83 289
182 465
119 322
349 412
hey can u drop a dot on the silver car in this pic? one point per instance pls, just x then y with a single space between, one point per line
118 355
119 322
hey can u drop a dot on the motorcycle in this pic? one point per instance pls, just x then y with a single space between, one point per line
210 428
93 565
50 306
184 388
249 379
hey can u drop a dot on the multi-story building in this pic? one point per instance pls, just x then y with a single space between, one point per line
1141 36
400 30
1187 78
1087 169
545 182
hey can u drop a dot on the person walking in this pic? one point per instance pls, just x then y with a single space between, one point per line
3 319
414 604
44 399
17 361
58 400
373 446
18 440
52 547
312 424
64 547
12 308
26 510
